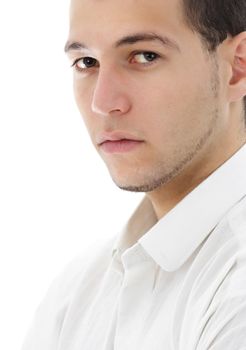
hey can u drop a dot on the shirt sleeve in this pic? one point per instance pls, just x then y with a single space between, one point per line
226 328
229 328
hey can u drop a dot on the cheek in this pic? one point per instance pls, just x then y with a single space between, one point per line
159 106
175 111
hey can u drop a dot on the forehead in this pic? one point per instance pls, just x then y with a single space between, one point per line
109 19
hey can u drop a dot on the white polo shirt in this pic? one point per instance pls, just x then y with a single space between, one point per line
174 284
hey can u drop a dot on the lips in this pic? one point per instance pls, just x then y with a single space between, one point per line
116 136
121 146
118 142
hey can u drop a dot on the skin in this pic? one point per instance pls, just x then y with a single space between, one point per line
186 105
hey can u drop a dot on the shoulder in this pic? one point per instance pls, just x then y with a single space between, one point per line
97 255
51 312
224 318
237 220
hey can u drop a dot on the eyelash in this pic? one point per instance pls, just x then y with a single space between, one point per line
134 54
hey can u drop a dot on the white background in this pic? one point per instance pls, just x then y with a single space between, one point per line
56 196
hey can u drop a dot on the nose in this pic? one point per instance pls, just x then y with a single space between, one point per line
110 94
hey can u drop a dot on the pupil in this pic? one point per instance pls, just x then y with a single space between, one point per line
149 56
88 61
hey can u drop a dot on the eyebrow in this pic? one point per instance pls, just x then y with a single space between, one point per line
128 40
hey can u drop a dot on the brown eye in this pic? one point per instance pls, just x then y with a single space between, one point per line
145 57
84 63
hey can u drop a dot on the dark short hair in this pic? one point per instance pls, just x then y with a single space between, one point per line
214 20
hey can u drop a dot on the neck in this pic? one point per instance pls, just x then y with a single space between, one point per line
169 195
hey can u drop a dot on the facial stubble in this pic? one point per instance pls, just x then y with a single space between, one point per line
158 177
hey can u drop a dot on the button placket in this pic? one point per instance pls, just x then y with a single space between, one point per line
134 298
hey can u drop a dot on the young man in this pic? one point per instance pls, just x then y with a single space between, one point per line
161 87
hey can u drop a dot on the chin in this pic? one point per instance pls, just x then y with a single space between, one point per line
137 186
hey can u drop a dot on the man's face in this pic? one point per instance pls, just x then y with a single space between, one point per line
166 96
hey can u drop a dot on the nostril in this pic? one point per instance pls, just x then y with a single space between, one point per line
115 106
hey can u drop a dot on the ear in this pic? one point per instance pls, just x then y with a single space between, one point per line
237 84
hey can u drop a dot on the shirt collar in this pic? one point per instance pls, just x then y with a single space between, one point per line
172 240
